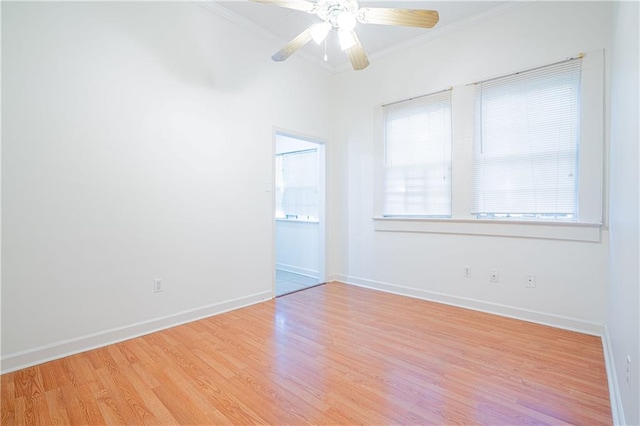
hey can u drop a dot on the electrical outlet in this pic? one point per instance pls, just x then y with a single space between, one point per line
467 271
530 280
494 276
157 285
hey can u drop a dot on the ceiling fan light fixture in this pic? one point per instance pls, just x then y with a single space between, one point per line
319 31
346 38
346 21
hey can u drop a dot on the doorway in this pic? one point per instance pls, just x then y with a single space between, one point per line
299 213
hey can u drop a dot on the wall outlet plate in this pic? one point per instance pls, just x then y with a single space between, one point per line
494 276
157 285
530 280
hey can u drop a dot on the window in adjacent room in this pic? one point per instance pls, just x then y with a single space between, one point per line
417 158
525 162
297 185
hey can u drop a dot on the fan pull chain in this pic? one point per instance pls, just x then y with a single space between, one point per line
325 49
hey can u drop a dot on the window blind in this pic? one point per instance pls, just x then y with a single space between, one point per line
297 176
417 172
525 160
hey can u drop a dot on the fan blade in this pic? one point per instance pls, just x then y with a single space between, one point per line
403 17
294 45
302 5
357 55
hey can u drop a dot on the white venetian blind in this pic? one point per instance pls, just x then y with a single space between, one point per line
297 179
417 172
526 153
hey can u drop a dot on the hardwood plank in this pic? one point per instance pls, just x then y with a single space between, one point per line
57 410
333 354
184 402
22 416
148 408
81 406
7 400
206 380
77 370
275 403
36 410
28 382
137 351
113 409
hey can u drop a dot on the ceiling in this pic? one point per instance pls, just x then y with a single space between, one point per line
284 24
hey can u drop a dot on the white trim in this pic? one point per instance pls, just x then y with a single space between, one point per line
50 352
617 409
298 270
312 222
557 321
568 231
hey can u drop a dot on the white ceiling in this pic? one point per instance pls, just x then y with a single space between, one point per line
284 24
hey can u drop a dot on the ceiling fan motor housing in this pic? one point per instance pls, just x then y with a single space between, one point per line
332 10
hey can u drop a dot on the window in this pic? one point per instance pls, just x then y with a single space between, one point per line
528 159
417 163
297 185
525 162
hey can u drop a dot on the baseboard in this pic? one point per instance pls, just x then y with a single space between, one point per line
298 270
39 355
617 410
543 318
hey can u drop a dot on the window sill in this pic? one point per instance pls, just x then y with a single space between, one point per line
280 219
568 231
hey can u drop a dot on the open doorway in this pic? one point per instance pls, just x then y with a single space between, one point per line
299 213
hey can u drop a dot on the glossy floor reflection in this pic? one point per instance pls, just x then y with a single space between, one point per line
288 282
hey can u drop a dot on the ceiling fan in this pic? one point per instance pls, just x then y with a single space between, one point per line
343 15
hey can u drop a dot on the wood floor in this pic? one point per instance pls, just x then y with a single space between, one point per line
334 354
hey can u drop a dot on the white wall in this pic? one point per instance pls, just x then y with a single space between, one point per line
571 276
137 144
297 247
623 320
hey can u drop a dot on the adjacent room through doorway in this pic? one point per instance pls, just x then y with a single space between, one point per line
299 218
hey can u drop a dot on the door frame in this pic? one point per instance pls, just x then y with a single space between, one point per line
322 202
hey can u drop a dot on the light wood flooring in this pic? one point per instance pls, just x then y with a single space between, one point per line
333 354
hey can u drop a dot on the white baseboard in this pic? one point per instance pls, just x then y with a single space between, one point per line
543 318
39 355
617 410
298 270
